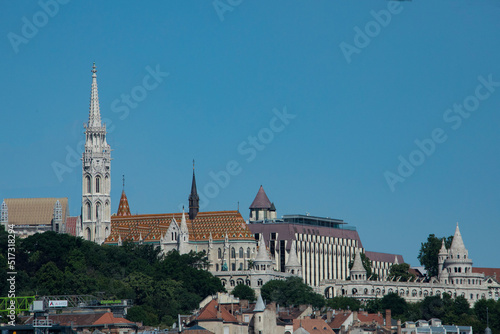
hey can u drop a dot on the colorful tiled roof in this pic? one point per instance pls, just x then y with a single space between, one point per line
123 208
152 227
261 201
109 319
34 211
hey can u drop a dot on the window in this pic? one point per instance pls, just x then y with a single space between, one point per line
233 253
89 184
89 212
97 209
233 266
232 282
241 253
248 252
98 184
219 253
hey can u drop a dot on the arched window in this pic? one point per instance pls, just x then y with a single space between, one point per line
248 252
89 212
89 184
89 234
233 253
259 282
219 253
241 253
232 282
97 211
98 184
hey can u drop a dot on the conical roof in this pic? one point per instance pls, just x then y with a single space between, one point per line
262 255
123 208
457 245
443 250
94 112
293 261
261 201
358 263
259 306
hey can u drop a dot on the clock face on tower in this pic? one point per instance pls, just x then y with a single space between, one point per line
97 164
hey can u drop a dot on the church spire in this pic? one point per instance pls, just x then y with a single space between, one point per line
94 112
194 199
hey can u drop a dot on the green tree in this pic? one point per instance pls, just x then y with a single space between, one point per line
344 303
428 255
292 291
401 270
395 303
243 291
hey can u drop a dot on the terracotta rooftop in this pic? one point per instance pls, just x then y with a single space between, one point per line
370 318
339 319
34 211
261 201
313 326
494 272
152 227
210 312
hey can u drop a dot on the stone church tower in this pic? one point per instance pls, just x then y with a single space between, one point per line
96 178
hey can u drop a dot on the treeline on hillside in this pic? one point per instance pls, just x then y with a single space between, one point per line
450 310
160 286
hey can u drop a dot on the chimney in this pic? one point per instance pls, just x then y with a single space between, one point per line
399 326
354 317
388 318
329 315
243 303
219 313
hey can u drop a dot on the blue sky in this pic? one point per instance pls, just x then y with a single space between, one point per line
360 81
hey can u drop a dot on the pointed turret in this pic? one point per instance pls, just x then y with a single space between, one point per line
259 305
94 112
293 265
261 207
262 260
123 208
194 199
184 227
358 271
457 245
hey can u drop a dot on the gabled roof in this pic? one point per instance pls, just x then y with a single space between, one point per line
123 208
34 211
109 319
209 312
261 201
312 326
370 318
339 320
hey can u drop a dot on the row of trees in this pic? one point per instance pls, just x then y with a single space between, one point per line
160 286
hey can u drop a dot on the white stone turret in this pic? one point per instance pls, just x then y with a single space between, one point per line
358 272
293 265
183 235
262 261
96 174
443 254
